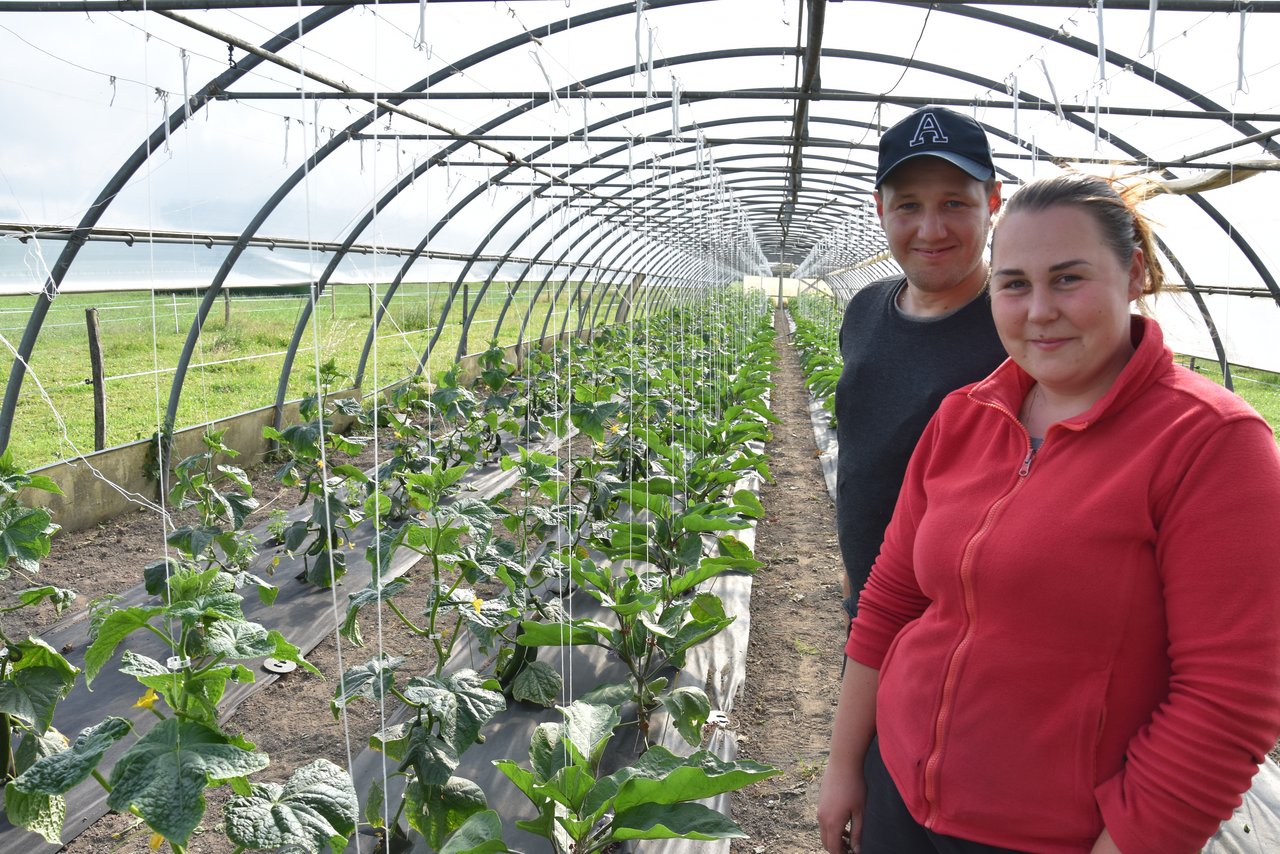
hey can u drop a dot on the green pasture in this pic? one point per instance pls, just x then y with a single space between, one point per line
236 366
1260 388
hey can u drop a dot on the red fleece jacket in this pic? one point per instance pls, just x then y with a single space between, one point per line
1088 636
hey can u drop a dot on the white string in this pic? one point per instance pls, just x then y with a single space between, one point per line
1242 81
1053 91
1102 48
1151 28
186 99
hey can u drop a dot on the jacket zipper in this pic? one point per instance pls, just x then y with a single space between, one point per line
948 684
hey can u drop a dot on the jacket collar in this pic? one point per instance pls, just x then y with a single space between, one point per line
1007 386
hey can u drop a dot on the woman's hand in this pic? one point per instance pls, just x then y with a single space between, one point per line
844 789
840 805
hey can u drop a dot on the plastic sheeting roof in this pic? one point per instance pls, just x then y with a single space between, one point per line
692 141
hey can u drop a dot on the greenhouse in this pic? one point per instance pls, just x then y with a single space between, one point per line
420 421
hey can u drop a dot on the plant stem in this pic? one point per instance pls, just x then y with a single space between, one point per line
102 781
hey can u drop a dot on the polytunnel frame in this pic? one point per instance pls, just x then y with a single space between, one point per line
327 12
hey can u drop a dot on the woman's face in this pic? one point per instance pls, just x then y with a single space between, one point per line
1060 298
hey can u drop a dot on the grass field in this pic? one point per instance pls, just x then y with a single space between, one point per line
237 364
1260 388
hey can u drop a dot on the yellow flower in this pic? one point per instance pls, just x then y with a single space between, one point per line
147 700
615 429
157 839
476 603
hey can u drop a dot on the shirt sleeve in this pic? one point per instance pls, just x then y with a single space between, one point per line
892 597
1219 562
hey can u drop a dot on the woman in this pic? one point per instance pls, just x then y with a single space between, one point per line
1070 641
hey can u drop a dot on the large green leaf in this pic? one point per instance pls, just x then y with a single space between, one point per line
31 694
316 807
479 699
701 775
437 811
689 709
37 812
164 774
479 834
56 773
539 683
433 759
588 727
698 520
24 537
590 419
674 821
748 504
534 633
238 640
370 681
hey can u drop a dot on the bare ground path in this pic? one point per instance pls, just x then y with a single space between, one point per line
797 631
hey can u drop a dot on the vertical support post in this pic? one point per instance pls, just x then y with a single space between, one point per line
99 380
226 307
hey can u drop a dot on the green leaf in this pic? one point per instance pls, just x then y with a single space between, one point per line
59 597
115 628
57 773
538 683
373 593
164 774
479 699
589 727
698 521
590 419
748 504
689 709
24 536
437 811
37 812
373 804
237 640
534 633
654 502
674 821
369 681
701 775
317 806
31 694
327 568
479 834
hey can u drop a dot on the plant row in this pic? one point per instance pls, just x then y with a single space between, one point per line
817 336
636 512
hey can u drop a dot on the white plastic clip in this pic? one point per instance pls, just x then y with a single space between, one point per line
177 663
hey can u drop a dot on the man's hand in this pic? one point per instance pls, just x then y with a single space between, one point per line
840 806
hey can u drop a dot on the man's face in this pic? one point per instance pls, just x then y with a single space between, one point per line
936 219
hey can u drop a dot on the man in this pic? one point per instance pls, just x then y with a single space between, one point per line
908 340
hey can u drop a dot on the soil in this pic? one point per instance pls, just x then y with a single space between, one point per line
797 629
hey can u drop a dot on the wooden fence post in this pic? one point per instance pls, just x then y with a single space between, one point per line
99 380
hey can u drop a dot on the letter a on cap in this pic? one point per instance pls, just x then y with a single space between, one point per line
929 130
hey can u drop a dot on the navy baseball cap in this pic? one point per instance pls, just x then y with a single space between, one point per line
936 132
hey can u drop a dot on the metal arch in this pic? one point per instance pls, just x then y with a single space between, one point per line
555 208
98 208
1207 316
495 49
1205 103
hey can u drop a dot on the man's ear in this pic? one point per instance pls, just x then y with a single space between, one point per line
879 204
994 202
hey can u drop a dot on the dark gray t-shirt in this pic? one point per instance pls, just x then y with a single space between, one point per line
896 371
